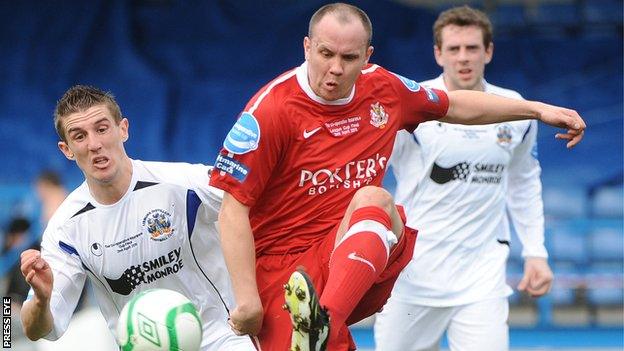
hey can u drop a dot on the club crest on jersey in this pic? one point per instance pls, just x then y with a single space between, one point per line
244 135
378 116
503 135
158 224
409 84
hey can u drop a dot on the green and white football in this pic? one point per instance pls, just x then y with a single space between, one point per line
159 319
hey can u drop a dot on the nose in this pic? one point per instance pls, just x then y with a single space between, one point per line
94 143
463 54
335 67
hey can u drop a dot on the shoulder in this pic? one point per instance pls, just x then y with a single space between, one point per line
77 201
151 169
436 83
269 96
494 89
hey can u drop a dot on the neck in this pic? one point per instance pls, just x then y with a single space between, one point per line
480 86
108 193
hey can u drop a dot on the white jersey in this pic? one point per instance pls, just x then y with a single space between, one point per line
161 234
460 185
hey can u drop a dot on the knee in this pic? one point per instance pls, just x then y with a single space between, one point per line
373 196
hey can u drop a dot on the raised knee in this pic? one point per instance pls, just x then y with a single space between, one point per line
373 196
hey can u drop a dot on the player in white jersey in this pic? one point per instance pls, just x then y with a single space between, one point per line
131 226
456 183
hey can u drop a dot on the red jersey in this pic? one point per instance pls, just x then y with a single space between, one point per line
297 160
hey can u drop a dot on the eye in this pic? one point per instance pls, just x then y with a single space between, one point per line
78 136
102 129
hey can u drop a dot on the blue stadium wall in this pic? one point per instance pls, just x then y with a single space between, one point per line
183 70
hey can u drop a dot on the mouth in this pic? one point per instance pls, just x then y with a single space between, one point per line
465 72
100 162
331 85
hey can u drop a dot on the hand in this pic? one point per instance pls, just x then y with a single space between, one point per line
247 318
38 274
537 278
564 118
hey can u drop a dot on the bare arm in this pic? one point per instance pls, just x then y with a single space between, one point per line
240 257
475 107
36 316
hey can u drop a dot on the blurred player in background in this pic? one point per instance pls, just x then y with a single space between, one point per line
457 184
51 193
302 169
131 226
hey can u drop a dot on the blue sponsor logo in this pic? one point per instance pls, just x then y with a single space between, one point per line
232 167
409 84
244 135
432 96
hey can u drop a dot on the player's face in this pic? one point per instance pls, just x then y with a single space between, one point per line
336 54
463 57
95 142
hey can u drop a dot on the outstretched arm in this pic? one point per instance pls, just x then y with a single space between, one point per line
475 107
240 257
36 316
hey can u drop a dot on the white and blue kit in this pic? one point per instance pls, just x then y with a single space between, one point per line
460 186
161 234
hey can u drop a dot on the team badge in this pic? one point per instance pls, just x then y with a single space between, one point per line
503 135
158 224
379 117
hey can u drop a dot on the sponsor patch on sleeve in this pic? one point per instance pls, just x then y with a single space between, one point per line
431 95
232 167
244 135
409 84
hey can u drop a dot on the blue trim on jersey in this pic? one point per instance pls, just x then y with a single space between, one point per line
415 138
526 133
192 205
68 248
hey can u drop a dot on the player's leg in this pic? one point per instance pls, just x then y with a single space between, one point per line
404 326
369 229
362 246
480 326
400 256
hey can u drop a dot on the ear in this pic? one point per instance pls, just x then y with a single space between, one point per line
306 47
437 53
65 150
124 125
369 53
489 52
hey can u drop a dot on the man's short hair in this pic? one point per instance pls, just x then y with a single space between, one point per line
81 98
49 177
344 13
463 16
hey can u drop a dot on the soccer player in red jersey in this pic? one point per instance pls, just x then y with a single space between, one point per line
302 169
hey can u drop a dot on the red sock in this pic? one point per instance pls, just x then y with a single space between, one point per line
354 266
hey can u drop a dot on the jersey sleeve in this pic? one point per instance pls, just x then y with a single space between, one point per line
418 103
524 195
251 151
190 176
69 278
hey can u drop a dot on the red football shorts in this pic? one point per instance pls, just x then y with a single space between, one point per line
273 271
